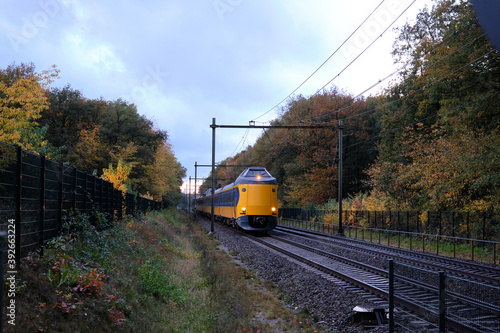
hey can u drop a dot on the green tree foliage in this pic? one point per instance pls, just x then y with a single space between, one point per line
70 118
121 124
92 135
111 136
441 148
437 126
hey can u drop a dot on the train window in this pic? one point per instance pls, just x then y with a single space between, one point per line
255 173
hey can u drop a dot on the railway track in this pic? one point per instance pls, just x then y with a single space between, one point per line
465 314
484 273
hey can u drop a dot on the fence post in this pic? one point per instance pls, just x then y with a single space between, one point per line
442 302
103 197
399 231
408 221
19 191
468 226
453 233
133 201
101 208
418 221
423 242
85 193
93 192
472 249
110 198
107 197
42 205
494 253
391 296
60 203
74 191
120 202
127 203
113 202
440 232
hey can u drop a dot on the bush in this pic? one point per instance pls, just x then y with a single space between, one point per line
78 224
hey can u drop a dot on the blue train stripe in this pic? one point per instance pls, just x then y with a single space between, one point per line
225 198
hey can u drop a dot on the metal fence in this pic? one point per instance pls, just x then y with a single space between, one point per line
477 225
36 192
446 289
473 234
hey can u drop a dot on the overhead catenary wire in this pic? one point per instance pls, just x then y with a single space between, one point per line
388 76
401 68
373 85
345 41
422 88
242 142
402 127
373 42
356 58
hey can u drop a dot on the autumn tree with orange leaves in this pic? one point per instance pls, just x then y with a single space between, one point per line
431 141
441 151
105 138
305 161
22 101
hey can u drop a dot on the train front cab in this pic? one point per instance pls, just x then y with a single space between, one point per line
258 206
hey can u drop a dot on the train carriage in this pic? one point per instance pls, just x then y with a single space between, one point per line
251 202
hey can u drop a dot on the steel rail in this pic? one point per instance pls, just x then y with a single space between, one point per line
458 269
384 273
401 301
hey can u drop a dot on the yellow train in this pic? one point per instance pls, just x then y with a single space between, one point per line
250 203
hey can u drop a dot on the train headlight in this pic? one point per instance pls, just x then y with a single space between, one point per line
273 209
244 210
259 177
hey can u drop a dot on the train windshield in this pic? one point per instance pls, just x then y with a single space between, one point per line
257 172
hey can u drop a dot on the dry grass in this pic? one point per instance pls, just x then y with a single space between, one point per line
162 273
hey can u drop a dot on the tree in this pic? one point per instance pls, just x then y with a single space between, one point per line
88 153
164 176
89 134
22 100
453 172
119 176
436 118
304 161
121 125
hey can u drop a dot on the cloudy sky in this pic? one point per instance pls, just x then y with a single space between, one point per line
185 62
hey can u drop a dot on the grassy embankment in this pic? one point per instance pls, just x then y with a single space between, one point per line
156 273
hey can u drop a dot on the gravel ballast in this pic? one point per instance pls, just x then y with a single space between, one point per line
328 301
